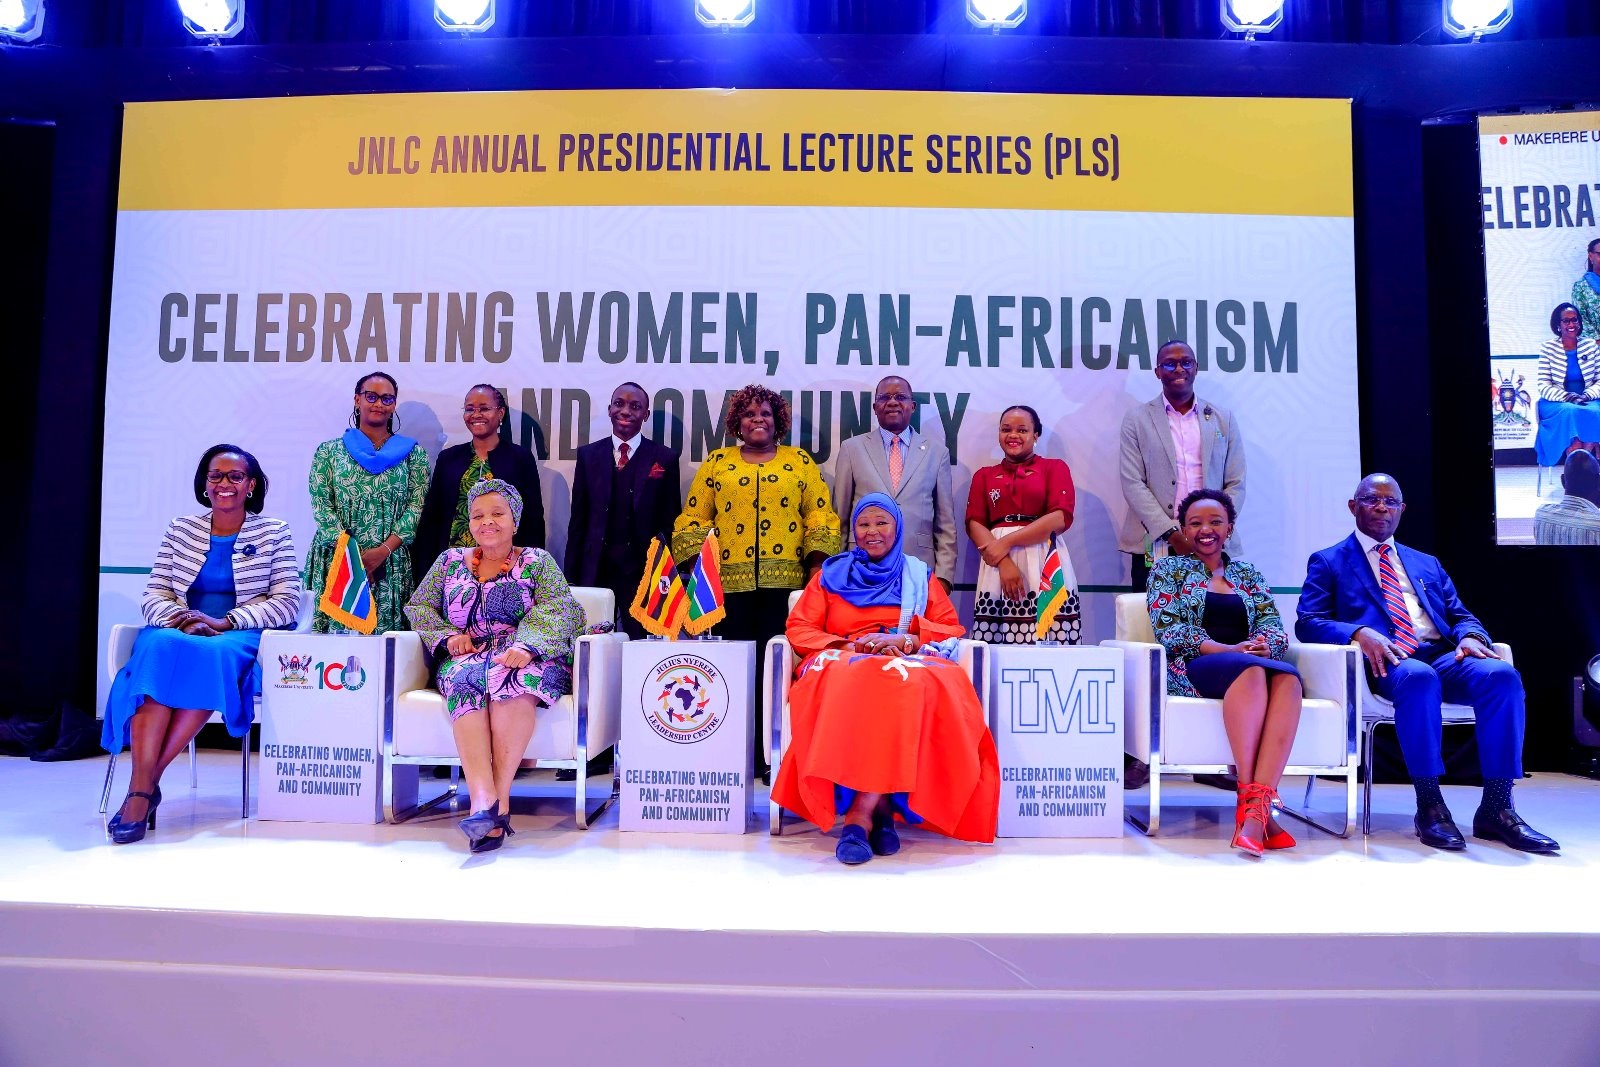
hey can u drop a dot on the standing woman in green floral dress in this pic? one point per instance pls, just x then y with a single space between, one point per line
369 483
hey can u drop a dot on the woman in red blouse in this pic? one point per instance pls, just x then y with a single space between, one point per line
1015 510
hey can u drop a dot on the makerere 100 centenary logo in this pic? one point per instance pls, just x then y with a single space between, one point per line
684 699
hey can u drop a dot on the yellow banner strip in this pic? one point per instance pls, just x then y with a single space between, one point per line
742 147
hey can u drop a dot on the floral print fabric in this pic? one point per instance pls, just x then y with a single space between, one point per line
530 607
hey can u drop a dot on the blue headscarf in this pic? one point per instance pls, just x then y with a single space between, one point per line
895 580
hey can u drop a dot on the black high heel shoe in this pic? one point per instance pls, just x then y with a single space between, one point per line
125 833
500 822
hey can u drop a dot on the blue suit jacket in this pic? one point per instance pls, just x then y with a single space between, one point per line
1341 595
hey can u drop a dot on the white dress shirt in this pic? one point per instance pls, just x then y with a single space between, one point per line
632 443
888 441
1421 622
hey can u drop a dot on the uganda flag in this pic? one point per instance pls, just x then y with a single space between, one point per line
660 603
347 595
705 589
1053 592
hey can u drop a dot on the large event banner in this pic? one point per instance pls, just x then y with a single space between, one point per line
1540 188
991 249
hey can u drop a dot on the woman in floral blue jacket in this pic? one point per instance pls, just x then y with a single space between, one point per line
1225 640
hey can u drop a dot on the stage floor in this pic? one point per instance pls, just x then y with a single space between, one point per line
203 857
222 941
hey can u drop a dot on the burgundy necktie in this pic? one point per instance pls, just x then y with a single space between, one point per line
622 456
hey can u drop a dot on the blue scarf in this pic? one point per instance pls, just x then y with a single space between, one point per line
1593 279
377 460
897 579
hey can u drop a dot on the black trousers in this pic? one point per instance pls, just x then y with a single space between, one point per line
1139 572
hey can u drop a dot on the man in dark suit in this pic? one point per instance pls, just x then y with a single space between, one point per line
1422 647
624 492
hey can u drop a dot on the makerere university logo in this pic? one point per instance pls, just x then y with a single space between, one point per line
685 699
294 672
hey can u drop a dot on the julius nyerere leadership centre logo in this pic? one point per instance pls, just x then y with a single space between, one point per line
684 699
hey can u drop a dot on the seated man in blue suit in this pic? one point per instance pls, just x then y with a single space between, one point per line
1422 647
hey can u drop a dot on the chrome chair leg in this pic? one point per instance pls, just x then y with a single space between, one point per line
105 790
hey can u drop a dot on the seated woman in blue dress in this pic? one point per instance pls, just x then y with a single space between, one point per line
220 578
1225 640
1569 390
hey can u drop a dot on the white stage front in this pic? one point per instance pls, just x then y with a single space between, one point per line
218 941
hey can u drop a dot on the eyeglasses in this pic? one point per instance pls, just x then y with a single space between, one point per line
1370 501
386 399
480 409
884 398
231 477
1174 366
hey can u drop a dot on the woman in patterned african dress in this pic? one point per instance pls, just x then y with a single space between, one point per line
370 483
500 623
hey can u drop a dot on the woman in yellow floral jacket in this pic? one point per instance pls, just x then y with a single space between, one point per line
775 523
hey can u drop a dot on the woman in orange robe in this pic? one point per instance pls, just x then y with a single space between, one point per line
882 720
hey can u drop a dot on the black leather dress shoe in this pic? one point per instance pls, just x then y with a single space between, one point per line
1438 830
1507 827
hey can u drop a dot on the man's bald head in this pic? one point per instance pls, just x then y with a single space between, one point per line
1580 476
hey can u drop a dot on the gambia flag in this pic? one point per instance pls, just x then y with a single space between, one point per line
347 595
1053 592
705 589
660 603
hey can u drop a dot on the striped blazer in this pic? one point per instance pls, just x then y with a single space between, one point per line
266 577
1553 369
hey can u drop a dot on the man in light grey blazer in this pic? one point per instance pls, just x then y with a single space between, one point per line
867 464
1173 445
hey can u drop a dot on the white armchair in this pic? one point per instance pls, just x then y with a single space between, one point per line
775 701
566 735
1377 710
1185 735
119 649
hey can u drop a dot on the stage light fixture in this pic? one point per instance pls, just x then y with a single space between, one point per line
1474 18
1251 17
21 21
464 16
997 14
212 20
727 14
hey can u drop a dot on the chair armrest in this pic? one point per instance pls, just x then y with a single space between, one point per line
601 687
119 647
1326 671
410 662
775 696
973 658
1144 688
308 608
1505 652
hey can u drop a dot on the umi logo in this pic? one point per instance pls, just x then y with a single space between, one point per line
1039 704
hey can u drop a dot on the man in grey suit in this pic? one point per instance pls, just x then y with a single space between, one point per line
898 461
1173 445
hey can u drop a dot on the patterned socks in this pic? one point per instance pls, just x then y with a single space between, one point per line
1427 792
1496 795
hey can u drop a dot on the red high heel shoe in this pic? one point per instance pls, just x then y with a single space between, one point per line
1254 803
1282 838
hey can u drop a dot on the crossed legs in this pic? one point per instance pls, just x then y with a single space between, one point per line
1261 715
157 734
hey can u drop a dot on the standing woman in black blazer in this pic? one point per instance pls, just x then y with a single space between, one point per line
460 467
220 578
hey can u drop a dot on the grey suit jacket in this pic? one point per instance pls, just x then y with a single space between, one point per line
925 496
1149 468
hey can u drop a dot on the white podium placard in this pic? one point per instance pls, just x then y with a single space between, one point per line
321 727
1057 723
687 720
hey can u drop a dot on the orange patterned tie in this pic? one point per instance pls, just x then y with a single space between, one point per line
897 465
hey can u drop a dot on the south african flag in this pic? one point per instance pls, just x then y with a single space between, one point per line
347 595
1053 592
